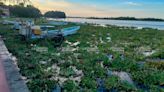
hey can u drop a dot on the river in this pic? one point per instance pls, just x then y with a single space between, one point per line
127 23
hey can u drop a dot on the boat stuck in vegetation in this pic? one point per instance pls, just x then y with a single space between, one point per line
65 31
29 31
57 23
41 32
96 59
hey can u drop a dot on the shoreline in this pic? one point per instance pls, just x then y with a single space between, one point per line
137 19
122 23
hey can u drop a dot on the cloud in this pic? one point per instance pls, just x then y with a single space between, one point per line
133 4
89 10
72 8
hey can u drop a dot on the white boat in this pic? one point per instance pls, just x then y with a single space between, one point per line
51 33
65 31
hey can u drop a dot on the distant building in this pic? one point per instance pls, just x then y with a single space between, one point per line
4 11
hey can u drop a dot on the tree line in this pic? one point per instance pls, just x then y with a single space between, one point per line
29 11
128 18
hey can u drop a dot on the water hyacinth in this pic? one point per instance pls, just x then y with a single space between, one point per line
112 54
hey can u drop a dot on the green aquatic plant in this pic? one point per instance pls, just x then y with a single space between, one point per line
88 83
112 82
69 86
67 72
91 58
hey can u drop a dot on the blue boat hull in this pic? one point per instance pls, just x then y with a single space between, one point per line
57 23
65 31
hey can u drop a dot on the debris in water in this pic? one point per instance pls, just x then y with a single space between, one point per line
57 89
122 75
101 41
148 53
110 57
68 42
23 78
43 62
109 39
75 44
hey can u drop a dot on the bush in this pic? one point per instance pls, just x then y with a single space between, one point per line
27 12
55 14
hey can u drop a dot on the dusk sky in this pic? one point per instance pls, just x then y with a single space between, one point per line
104 8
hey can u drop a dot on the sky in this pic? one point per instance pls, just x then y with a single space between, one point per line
104 8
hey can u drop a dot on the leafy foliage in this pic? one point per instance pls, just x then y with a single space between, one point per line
17 1
55 14
112 82
93 64
88 83
69 86
28 11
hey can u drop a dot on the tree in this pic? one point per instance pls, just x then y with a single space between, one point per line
55 14
16 1
22 11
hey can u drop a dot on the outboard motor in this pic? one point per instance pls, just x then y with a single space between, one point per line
58 40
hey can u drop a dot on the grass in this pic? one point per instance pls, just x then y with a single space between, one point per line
90 56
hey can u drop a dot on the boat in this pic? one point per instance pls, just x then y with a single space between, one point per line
51 33
65 31
8 22
45 27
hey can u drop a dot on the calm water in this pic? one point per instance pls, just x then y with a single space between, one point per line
128 23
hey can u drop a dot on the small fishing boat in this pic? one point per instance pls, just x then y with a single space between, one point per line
8 22
41 32
37 32
65 31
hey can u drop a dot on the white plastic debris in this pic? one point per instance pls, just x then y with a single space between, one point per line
43 62
109 39
149 53
58 54
101 41
68 42
75 44
124 77
23 78
14 58
139 27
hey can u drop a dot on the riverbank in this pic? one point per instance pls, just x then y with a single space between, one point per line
91 54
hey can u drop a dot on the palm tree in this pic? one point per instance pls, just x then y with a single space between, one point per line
16 1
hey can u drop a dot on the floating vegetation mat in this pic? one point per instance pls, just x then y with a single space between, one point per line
93 53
